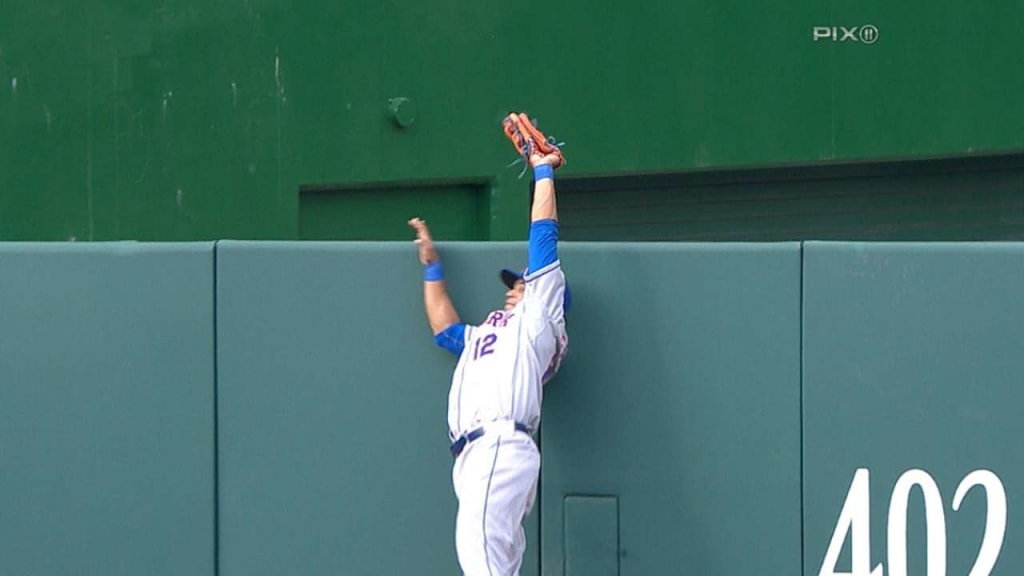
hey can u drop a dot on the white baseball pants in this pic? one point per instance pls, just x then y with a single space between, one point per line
495 480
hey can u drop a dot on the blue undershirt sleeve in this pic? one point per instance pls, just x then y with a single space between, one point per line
452 338
543 245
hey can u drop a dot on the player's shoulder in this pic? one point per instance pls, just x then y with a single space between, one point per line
544 271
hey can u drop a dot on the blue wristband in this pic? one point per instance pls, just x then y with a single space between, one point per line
433 272
542 171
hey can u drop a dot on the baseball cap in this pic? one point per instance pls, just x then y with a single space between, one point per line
510 277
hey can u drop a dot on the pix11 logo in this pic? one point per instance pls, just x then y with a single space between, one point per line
866 34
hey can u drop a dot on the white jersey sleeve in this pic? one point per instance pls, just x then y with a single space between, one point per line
547 285
547 288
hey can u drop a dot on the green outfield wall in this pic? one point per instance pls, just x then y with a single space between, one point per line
184 120
107 371
912 372
248 408
690 420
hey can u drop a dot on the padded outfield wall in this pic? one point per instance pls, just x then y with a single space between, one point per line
266 408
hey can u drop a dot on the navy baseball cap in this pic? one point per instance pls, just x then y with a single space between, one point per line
510 277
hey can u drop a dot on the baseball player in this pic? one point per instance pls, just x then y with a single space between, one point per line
494 403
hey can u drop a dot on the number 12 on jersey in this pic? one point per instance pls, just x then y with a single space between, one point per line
484 346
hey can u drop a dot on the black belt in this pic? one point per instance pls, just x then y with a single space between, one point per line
459 445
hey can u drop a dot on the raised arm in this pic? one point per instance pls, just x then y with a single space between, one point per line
441 312
544 205
543 245
544 275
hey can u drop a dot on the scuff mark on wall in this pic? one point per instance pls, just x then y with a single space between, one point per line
166 103
280 102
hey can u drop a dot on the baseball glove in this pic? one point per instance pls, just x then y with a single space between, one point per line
529 141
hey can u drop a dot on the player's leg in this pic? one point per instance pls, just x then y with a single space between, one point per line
512 485
496 490
469 476
520 543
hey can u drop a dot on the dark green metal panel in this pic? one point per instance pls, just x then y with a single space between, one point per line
332 399
107 409
912 361
143 122
181 120
454 212
935 82
680 396
952 199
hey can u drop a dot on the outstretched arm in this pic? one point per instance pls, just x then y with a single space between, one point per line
543 244
441 312
544 275
544 205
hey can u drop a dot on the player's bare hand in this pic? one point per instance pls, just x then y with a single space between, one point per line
538 159
428 253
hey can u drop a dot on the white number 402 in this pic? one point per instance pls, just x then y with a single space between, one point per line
855 520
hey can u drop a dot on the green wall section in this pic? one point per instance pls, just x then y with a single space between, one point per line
333 404
107 409
188 120
913 360
455 212
681 396
264 408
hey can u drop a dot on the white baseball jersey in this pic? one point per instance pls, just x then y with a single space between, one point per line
507 359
